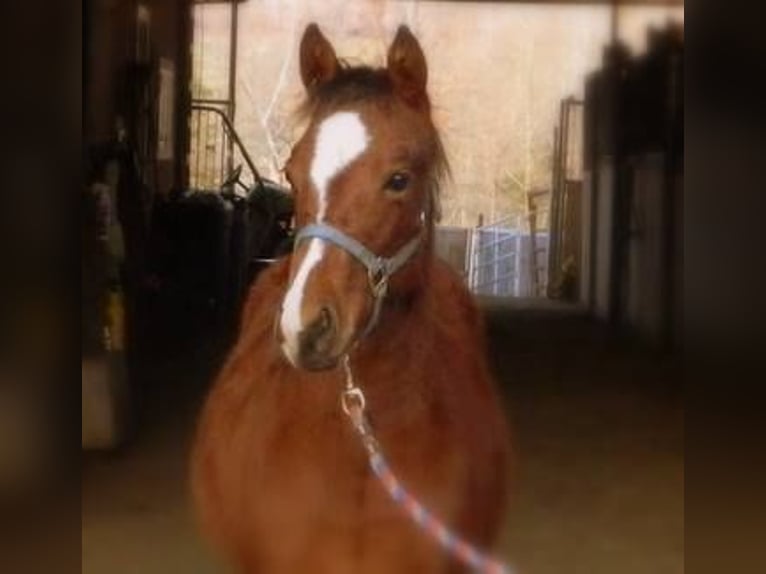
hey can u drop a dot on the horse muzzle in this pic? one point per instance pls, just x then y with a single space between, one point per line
314 347
317 344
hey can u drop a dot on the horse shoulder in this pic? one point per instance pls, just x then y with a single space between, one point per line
229 396
476 400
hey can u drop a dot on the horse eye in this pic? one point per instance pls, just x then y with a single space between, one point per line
398 182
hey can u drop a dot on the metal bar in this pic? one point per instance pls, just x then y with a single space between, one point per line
203 149
471 258
234 34
494 268
207 148
230 154
233 58
553 232
590 127
495 224
508 237
532 214
468 267
517 266
222 174
508 255
210 101
197 150
210 148
561 213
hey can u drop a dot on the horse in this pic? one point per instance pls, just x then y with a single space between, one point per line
280 481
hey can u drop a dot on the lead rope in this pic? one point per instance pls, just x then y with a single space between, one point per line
353 404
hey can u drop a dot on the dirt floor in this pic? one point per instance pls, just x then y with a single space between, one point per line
598 427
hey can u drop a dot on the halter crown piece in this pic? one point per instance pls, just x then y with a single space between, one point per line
379 269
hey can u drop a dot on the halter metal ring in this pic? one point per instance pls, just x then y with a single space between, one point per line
378 278
350 398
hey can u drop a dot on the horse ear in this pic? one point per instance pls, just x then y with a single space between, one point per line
319 63
407 66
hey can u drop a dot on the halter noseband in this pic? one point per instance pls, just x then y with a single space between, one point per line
379 269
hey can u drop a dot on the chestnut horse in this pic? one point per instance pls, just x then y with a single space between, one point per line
280 479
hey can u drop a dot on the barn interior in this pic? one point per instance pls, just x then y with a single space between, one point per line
580 286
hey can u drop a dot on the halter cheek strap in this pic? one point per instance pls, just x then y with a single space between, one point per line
379 269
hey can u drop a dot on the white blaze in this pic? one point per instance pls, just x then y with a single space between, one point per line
340 139
291 323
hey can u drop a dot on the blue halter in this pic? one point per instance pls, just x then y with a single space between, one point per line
379 269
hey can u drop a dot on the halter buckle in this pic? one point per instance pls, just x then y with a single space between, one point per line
378 278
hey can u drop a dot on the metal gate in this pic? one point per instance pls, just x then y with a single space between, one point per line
565 218
505 258
495 263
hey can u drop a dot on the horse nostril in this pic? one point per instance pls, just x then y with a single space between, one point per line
325 318
317 338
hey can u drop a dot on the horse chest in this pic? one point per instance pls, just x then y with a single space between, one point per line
298 479
305 460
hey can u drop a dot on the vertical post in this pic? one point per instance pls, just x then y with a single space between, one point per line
197 115
532 210
222 174
552 205
670 221
615 117
563 239
494 260
517 258
471 240
620 199
233 35
554 231
474 259
183 99
206 158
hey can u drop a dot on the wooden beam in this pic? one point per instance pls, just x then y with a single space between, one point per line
627 3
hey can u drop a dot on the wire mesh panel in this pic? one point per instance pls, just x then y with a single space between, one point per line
506 260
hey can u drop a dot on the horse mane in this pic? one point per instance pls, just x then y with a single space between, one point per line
362 84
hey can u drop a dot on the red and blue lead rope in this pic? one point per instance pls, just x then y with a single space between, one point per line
432 525
353 403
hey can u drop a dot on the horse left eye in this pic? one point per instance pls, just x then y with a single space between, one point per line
398 182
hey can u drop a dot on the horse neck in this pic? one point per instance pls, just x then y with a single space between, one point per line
404 323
